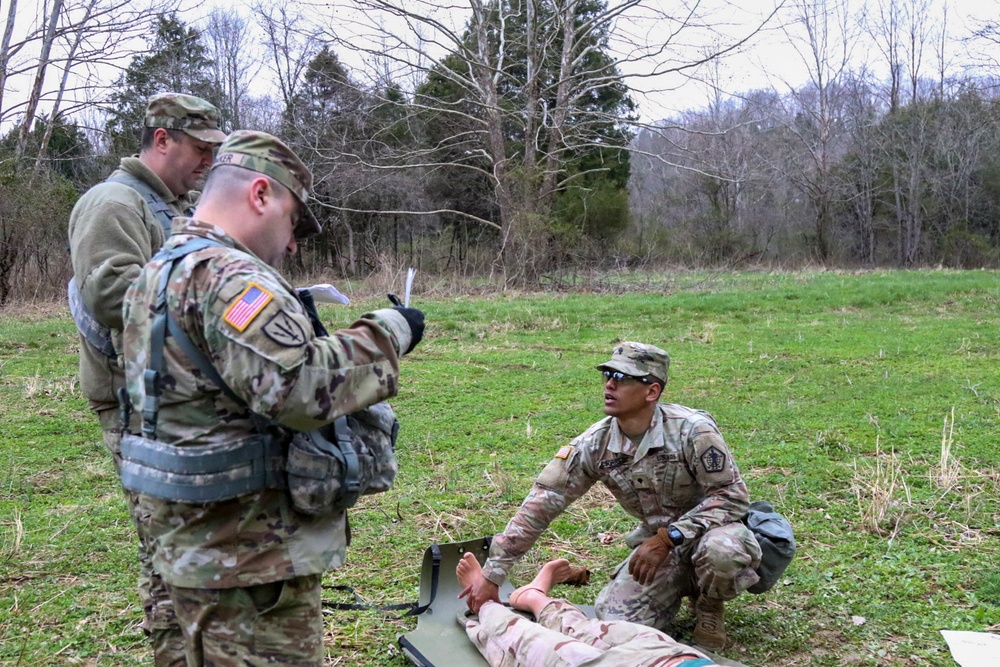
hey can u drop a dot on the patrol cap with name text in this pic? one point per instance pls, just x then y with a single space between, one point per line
192 115
268 155
639 360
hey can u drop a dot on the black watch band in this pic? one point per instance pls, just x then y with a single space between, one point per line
676 536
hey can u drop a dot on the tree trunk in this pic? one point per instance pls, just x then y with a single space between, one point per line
556 135
8 33
70 60
36 89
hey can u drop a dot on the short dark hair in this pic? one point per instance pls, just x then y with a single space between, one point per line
224 176
148 132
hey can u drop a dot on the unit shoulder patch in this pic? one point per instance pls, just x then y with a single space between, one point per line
247 306
284 330
713 459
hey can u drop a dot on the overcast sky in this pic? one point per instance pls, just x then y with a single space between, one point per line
768 60
771 58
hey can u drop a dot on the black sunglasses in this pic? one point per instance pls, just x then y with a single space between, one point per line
618 376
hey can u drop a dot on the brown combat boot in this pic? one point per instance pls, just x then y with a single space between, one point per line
710 629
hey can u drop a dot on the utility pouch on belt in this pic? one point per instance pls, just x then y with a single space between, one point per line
328 469
777 543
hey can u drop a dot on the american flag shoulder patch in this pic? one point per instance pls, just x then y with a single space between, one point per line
564 452
242 312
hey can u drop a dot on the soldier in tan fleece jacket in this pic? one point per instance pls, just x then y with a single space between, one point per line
114 229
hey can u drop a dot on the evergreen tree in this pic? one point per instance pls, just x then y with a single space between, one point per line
177 61
565 115
69 153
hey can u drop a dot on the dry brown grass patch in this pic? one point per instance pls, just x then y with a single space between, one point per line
880 488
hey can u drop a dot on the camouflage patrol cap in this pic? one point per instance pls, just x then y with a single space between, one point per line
639 360
192 115
268 155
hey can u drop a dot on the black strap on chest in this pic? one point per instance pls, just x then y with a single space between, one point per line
98 335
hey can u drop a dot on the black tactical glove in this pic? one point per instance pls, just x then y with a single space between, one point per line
414 318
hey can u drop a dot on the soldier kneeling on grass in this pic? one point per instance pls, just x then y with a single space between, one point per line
668 466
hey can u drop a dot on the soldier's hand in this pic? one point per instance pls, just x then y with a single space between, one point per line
414 318
649 556
479 593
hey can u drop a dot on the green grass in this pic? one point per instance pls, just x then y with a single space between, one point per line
832 390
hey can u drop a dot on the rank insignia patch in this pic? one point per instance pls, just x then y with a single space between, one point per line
713 460
564 452
248 306
284 331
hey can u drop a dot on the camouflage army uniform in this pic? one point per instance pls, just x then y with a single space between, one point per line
245 573
680 474
112 234
565 637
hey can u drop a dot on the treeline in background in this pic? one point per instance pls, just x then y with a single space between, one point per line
509 142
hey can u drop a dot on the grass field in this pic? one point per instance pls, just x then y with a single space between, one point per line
865 406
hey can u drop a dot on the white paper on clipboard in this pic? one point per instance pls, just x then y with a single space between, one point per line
327 293
973 649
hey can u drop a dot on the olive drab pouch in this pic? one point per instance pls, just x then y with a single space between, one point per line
777 543
328 469
374 431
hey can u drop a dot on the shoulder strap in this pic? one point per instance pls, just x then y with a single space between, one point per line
163 212
93 331
165 322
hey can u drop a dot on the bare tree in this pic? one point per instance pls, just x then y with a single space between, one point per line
882 21
526 70
233 64
76 39
48 37
7 50
823 37
918 33
79 39
291 43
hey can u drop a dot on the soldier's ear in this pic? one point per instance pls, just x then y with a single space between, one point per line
653 392
160 137
260 192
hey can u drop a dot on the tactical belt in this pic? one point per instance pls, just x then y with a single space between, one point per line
201 474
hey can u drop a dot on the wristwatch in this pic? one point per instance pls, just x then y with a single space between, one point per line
676 536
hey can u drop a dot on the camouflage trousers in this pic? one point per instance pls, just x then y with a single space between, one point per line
280 623
159 623
564 636
721 565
